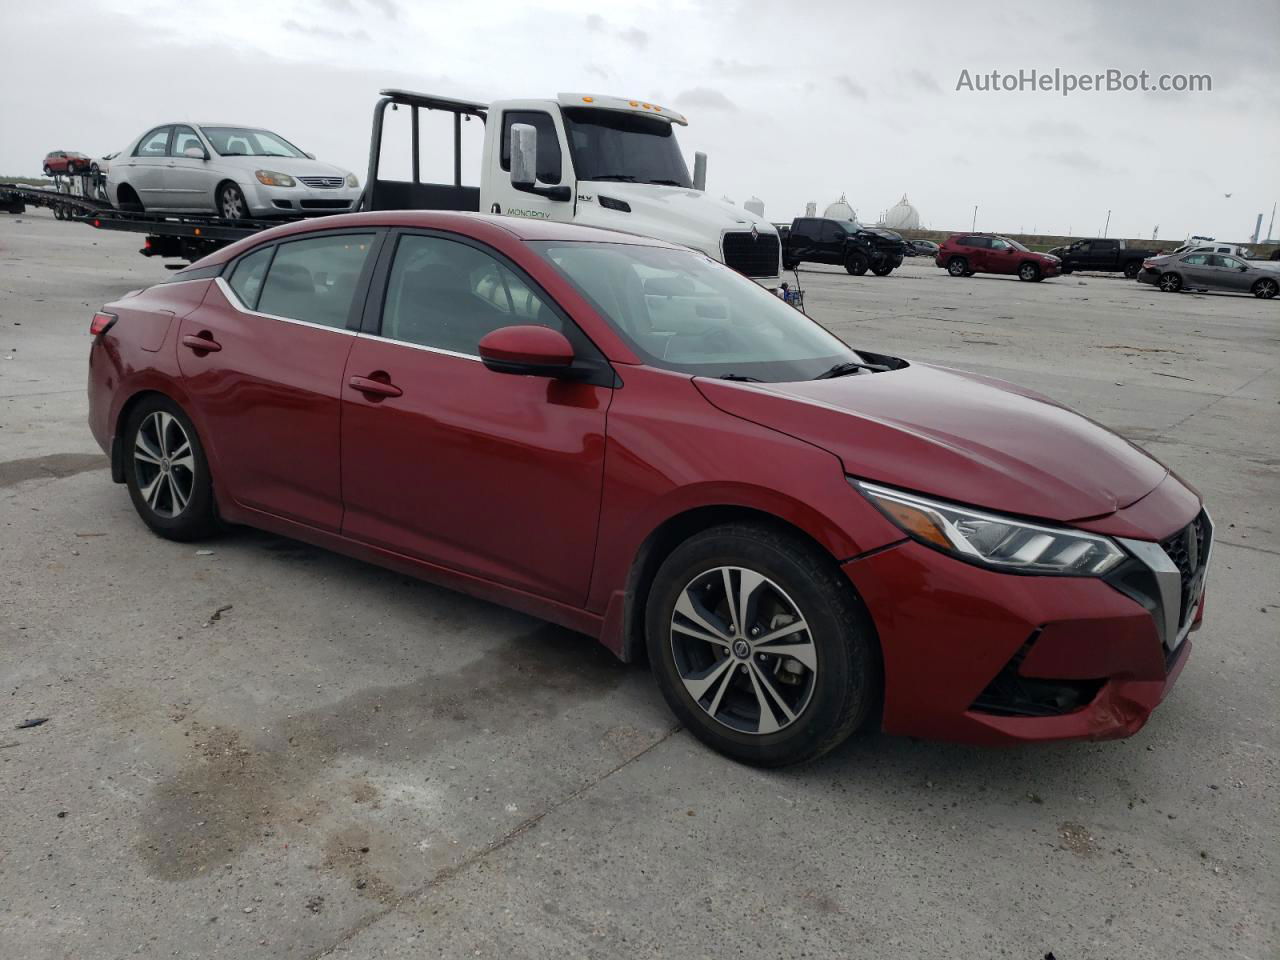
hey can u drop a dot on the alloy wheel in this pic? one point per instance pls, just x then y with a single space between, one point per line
164 464
743 650
1170 283
232 204
1266 289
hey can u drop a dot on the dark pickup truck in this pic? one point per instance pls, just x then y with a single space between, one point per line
842 242
1105 255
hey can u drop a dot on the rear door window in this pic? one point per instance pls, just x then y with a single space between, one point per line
315 280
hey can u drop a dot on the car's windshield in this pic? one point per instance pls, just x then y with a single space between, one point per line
683 311
1015 244
247 142
612 145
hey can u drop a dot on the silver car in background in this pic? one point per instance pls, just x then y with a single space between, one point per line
233 171
1209 271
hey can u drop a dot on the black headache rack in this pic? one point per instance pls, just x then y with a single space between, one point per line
413 194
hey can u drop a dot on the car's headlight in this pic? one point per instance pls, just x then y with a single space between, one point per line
273 179
353 180
1002 543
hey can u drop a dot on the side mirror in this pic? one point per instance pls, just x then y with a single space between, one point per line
1243 268
528 350
195 153
524 156
700 171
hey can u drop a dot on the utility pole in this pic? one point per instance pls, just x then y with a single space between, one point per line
1108 226
974 225
1273 221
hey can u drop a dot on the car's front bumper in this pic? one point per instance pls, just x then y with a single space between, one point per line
978 656
299 200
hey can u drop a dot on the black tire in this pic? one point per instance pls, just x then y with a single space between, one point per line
231 203
857 264
57 211
882 271
958 267
1030 272
1266 288
1131 269
826 704
1169 282
1066 270
157 489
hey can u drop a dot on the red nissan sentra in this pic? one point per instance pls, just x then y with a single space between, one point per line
629 439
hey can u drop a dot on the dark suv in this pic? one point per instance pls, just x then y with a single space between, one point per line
844 243
964 254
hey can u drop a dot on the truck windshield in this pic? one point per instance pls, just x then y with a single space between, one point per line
612 145
247 142
683 311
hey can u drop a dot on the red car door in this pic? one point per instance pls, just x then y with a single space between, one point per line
262 361
443 460
976 250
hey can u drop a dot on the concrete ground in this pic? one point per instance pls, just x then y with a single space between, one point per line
345 762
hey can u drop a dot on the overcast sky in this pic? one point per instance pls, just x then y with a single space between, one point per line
793 102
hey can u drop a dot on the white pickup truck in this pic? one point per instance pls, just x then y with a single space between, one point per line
580 158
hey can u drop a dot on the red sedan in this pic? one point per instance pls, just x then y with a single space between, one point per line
629 439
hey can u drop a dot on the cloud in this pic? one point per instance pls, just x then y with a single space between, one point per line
595 70
736 68
388 8
634 36
341 6
325 33
707 99
923 81
595 22
851 88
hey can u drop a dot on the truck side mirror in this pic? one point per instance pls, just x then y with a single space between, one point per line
524 156
700 171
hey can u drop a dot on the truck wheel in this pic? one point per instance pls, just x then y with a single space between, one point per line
1170 282
882 271
759 646
958 267
1131 269
857 264
1029 272
1266 288
231 202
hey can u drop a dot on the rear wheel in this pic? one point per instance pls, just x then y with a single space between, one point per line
1029 272
1131 269
760 646
958 267
231 203
882 271
1170 282
48 170
857 264
166 471
127 199
1266 288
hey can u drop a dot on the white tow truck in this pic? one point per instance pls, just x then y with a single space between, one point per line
580 158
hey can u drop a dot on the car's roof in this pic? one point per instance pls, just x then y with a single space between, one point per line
476 225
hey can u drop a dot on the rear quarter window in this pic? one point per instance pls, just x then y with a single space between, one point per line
246 279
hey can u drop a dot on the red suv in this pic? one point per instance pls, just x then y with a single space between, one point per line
65 161
964 254
631 440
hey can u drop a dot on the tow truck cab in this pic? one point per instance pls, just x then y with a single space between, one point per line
580 158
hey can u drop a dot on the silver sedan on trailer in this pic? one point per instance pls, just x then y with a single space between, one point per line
1209 271
234 171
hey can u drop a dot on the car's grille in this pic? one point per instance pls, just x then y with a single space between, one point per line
756 257
324 183
324 204
1189 551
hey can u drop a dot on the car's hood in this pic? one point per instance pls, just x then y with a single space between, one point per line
674 214
294 166
957 436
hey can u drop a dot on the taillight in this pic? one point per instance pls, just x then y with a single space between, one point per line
102 322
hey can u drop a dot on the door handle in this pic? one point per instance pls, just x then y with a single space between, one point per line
201 343
371 387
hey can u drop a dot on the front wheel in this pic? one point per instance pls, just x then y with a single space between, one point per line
1029 272
760 646
856 264
882 271
958 267
1266 288
1170 282
231 202
166 471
